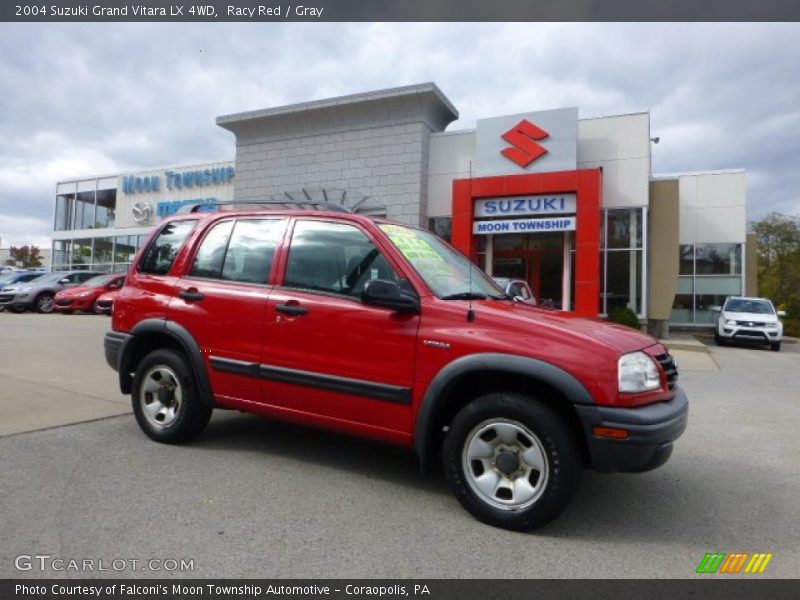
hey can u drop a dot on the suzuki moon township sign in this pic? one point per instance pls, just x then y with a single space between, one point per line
524 225
536 142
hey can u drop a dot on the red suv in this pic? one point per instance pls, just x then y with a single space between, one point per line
379 329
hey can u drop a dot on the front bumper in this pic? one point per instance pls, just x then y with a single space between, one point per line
10 300
113 344
653 428
752 335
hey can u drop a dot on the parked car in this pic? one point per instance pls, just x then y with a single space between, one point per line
39 294
10 278
84 297
749 320
518 289
104 304
379 329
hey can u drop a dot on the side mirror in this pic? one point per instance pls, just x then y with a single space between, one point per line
781 313
64 281
716 308
388 294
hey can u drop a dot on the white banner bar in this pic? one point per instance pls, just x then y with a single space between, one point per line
524 225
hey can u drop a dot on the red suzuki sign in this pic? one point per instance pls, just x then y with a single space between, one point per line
545 141
522 137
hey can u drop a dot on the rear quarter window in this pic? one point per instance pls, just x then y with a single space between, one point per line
161 252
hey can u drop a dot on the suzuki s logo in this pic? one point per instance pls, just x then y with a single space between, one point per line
525 150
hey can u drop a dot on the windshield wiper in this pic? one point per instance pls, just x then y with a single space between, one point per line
465 296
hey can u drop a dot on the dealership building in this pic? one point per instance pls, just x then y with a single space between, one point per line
569 204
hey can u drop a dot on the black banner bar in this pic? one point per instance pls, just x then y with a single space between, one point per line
438 589
397 10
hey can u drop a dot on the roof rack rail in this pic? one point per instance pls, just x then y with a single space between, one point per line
288 203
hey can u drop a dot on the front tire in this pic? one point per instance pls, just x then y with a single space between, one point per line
511 461
44 303
775 346
165 400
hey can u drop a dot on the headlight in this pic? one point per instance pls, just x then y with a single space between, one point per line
637 373
84 294
730 323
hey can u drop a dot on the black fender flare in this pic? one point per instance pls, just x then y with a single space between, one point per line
186 341
448 376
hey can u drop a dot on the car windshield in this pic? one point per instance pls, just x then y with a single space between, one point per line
449 274
741 305
98 281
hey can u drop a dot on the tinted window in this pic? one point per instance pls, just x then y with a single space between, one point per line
333 257
252 250
162 252
211 254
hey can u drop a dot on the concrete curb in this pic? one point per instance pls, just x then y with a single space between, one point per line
692 345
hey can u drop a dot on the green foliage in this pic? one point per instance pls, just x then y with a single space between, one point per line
624 316
26 256
779 265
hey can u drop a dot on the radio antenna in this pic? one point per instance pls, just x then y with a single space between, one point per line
470 312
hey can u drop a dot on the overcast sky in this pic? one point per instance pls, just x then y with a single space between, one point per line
88 99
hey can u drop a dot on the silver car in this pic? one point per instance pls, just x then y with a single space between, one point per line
39 294
749 320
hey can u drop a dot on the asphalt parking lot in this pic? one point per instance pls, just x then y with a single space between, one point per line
256 498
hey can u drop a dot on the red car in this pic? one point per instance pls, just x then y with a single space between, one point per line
376 328
105 302
85 296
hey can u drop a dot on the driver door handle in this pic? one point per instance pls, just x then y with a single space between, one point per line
191 295
291 309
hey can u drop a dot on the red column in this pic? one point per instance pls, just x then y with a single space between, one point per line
587 243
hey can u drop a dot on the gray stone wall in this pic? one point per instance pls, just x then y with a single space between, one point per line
374 145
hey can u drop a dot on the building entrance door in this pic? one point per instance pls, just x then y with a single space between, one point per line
541 259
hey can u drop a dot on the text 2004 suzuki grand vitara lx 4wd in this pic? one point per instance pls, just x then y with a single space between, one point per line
378 329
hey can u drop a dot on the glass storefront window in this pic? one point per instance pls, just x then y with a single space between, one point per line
81 253
687 259
64 206
125 249
84 211
709 273
441 226
718 259
103 250
622 260
624 280
624 228
106 204
61 256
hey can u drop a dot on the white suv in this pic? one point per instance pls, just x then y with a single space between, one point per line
752 320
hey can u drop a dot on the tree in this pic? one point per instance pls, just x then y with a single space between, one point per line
26 256
779 263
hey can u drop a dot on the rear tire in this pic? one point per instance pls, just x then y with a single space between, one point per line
511 461
165 400
95 309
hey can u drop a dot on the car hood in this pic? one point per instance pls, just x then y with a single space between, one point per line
77 290
518 316
746 316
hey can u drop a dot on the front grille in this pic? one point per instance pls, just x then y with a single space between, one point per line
750 324
670 369
6 297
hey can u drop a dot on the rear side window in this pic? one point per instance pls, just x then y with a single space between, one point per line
162 251
241 252
252 250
